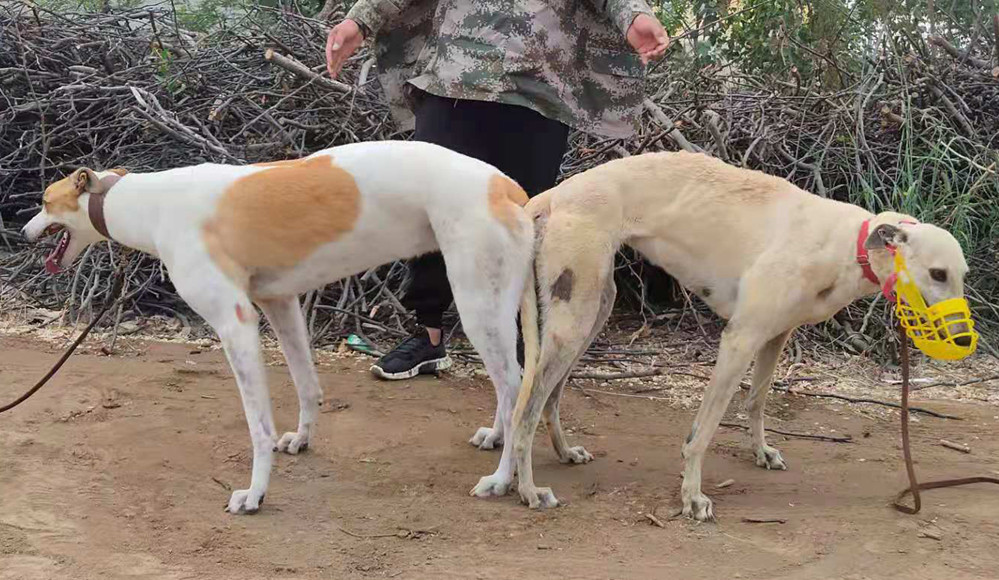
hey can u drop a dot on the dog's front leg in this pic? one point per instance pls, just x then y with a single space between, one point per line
242 347
228 309
734 356
763 373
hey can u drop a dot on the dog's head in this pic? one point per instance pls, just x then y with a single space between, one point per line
64 210
932 255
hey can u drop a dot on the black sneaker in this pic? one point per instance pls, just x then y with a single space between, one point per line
413 357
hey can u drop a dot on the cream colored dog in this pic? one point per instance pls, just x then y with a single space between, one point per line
233 236
759 251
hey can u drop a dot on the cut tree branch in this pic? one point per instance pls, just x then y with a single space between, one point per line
291 65
956 53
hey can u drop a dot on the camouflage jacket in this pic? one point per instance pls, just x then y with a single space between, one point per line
566 59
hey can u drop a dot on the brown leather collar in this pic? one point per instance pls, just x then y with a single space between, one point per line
95 209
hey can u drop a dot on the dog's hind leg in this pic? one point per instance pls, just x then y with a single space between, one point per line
487 280
285 316
573 274
228 309
491 325
763 372
577 454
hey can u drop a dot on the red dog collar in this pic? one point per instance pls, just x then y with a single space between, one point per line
888 288
862 257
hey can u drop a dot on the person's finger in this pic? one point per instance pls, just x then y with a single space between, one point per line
338 62
330 47
338 52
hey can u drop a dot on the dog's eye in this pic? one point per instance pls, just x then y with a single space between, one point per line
938 275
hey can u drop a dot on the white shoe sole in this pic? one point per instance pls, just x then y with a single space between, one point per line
427 366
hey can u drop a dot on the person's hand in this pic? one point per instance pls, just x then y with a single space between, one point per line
648 37
343 40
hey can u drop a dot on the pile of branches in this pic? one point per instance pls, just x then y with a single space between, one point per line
917 130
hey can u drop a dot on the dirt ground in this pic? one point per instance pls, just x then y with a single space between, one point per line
120 467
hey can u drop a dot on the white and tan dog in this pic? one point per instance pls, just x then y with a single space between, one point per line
232 236
762 253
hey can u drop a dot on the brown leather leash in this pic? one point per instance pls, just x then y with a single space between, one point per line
914 486
116 287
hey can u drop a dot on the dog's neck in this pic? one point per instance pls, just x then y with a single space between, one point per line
130 216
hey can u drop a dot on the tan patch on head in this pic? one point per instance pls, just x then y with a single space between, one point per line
506 198
63 195
120 171
272 220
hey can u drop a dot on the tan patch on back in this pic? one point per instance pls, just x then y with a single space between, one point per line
62 196
506 198
283 163
272 220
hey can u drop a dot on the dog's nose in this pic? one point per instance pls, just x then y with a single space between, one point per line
963 341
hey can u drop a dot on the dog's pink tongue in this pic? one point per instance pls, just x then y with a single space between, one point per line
52 263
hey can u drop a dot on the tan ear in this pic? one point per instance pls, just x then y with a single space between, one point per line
85 181
80 178
119 171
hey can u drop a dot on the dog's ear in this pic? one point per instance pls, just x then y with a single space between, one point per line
885 235
86 181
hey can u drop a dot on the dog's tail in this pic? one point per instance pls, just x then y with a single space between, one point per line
530 327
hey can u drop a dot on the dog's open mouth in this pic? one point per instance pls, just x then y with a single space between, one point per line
52 263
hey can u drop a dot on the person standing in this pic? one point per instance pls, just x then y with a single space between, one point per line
503 82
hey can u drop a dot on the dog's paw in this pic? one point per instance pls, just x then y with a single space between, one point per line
537 497
576 455
486 438
491 485
292 443
244 501
698 507
769 457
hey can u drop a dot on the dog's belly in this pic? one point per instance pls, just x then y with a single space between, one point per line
718 289
352 254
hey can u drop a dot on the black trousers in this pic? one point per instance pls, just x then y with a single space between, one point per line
521 143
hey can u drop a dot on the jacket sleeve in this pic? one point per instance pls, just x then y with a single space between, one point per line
370 15
621 12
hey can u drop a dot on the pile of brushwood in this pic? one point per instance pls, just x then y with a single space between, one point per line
917 130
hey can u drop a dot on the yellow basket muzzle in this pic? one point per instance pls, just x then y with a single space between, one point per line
935 329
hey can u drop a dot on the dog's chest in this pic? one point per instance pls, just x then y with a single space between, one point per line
827 301
719 295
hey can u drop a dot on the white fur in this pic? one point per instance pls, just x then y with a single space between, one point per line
415 198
